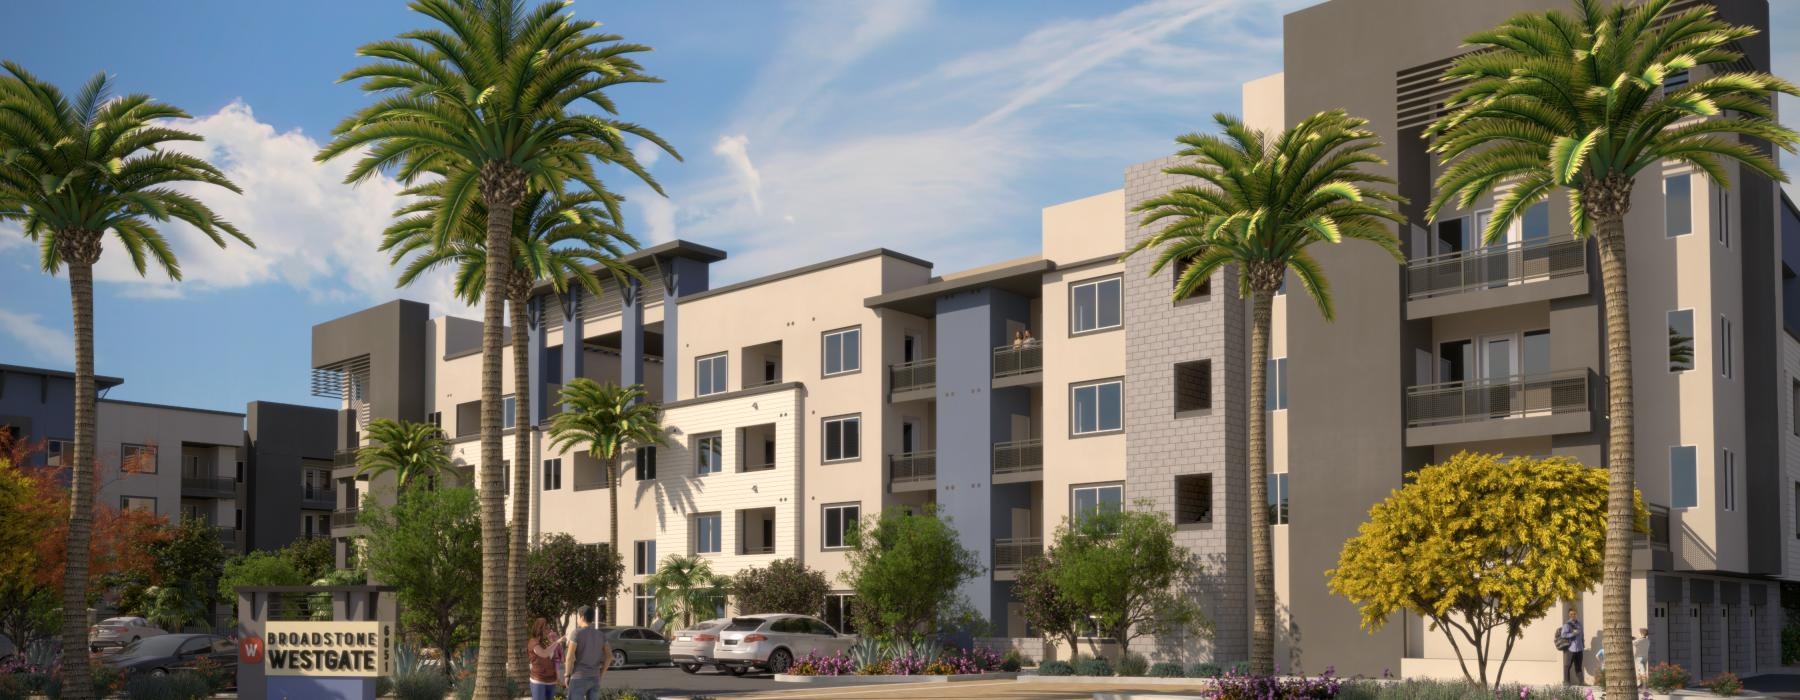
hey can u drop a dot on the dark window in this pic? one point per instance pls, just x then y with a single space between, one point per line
1275 385
1681 340
839 521
843 438
1278 499
843 351
1181 268
646 463
1095 305
837 612
1678 206
1455 358
643 557
709 454
552 474
468 418
1683 477
1193 386
1794 406
643 606
1193 499
1674 82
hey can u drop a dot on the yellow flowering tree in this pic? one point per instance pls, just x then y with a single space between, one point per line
1480 546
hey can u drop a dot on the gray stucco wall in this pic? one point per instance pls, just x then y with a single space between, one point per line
276 437
37 406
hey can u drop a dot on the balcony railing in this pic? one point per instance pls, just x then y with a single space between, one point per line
1013 362
762 382
1494 266
318 498
343 518
217 485
228 537
344 458
918 374
1658 536
763 467
1518 396
1011 554
1018 456
757 549
912 467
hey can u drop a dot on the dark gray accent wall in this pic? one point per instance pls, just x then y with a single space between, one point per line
393 336
631 332
277 436
681 277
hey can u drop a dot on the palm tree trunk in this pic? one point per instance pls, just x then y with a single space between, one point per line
521 496
1615 586
1262 559
78 681
491 654
612 537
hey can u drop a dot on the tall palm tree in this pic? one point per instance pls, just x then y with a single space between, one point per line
685 586
486 98
410 451
1578 103
1258 202
556 237
71 173
606 420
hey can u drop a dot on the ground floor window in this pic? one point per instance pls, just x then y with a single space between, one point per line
645 605
837 612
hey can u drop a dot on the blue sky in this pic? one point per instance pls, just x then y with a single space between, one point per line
808 130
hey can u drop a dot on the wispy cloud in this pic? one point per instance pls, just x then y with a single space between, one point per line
50 345
736 152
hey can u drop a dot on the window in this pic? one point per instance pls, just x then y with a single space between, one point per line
145 504
239 473
1683 491
1728 477
843 438
1534 353
1725 217
1724 347
506 477
1275 385
1674 82
1534 224
1681 340
137 459
468 418
1278 499
436 419
509 411
1797 510
1097 408
1181 268
1794 406
1094 305
643 557
843 351
1193 499
553 474
643 604
839 521
709 375
55 451
645 460
707 536
709 454
1094 500
1193 386
1678 208
837 612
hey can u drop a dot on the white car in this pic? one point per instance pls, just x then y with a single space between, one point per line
772 642
116 632
693 647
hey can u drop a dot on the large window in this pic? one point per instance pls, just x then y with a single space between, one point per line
839 521
843 351
552 474
1094 305
1794 406
1725 353
709 375
709 454
1193 499
838 612
1728 477
1097 408
1278 499
1193 386
645 461
509 411
1275 385
1684 492
643 607
143 504
643 557
1678 206
137 459
843 438
1681 340
1088 501
708 537
1534 224
57 452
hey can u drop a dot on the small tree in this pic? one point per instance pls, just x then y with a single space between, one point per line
258 569
410 451
312 557
428 545
562 574
787 586
905 570
686 589
184 574
1480 546
1125 570
1043 604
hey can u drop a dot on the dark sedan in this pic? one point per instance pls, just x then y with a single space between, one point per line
168 653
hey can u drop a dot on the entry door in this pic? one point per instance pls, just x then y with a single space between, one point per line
1495 270
1724 638
1694 635
1499 362
1659 634
909 348
909 437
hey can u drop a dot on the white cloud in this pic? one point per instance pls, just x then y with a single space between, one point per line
658 216
41 341
736 152
647 153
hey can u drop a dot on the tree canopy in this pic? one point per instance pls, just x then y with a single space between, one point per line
1125 570
562 574
428 544
785 586
906 570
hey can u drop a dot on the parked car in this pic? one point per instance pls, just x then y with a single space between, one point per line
166 653
772 642
637 646
693 647
118 632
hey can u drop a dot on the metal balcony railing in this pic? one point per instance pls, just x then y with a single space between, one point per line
1018 456
344 458
760 549
228 537
1012 362
912 467
1518 396
918 374
1494 266
761 467
215 485
343 518
762 382
318 498
1658 537
1011 554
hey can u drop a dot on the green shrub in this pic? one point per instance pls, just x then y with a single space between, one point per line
1668 678
1790 645
420 685
1097 666
1055 668
1204 670
1016 659
1133 665
1241 668
1725 684
1165 669
176 686
1010 665
384 686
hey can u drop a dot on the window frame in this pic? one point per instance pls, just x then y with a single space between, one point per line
1075 430
1275 384
718 463
1181 505
125 502
845 524
1688 180
643 558
1076 514
1669 322
551 478
1279 506
509 411
643 604
1205 367
843 605
825 355
719 384
718 533
638 466
1075 288
1728 478
825 427
126 449
1692 477
1724 346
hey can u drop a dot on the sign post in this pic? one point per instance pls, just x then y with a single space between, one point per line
292 647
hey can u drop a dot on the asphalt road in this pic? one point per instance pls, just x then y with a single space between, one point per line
672 682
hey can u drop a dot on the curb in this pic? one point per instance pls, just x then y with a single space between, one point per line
879 680
1115 680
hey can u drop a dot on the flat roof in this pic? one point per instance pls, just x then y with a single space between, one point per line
100 381
168 407
1024 278
808 269
675 249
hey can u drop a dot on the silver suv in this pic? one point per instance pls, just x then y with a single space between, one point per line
772 642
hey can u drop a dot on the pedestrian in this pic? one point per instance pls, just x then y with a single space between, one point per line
540 656
1640 650
588 655
1569 640
1018 340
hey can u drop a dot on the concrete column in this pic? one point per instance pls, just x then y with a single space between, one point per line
573 356
681 277
537 357
631 333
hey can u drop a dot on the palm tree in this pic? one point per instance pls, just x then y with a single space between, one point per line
486 98
1579 103
410 451
1258 203
556 237
605 420
685 585
70 173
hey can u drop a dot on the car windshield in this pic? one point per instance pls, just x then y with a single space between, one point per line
744 624
164 645
707 626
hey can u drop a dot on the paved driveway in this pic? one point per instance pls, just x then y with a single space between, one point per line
672 681
1778 685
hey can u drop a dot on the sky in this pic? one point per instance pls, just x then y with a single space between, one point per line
806 130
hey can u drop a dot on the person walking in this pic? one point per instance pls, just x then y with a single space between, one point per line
540 657
1640 650
588 656
1569 640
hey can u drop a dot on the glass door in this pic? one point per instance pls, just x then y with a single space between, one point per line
1499 362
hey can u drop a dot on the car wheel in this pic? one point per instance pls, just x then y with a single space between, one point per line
618 660
690 668
134 639
159 672
780 660
737 670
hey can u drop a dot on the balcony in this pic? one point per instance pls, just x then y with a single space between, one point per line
195 486
912 471
1011 554
1021 366
229 537
1018 461
912 381
318 499
1652 548
1533 405
343 518
1495 276
344 458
